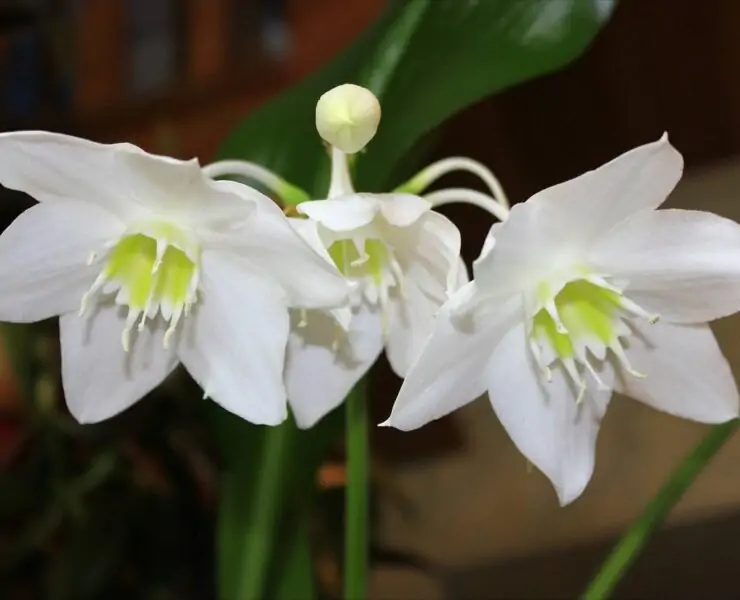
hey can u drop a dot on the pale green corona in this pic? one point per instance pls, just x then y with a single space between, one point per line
585 311
150 275
351 263
579 324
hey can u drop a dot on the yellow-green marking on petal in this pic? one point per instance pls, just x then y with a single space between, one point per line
150 275
582 321
586 310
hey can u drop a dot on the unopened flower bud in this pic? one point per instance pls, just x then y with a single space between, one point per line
347 117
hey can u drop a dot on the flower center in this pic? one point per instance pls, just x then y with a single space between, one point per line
577 326
151 273
372 260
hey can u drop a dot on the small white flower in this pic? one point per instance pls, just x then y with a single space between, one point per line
585 289
402 258
149 262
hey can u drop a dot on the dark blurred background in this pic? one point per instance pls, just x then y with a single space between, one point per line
126 508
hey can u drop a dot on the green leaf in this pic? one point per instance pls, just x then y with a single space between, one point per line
451 54
426 60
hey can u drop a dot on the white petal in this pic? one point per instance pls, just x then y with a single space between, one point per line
481 268
687 374
410 322
344 213
681 264
101 380
450 372
428 253
308 229
52 167
555 433
180 190
402 210
234 344
270 246
317 377
561 222
120 177
44 255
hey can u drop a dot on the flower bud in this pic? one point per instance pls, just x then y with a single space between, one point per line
347 117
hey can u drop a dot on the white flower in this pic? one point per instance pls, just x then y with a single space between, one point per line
585 289
402 258
148 263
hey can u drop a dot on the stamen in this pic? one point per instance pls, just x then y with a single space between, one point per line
359 244
171 329
99 282
637 310
604 284
337 339
303 321
161 250
599 382
133 314
624 361
539 360
572 370
552 310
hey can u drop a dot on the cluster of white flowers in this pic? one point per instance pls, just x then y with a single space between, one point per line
583 289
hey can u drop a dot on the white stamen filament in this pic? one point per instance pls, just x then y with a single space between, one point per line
460 163
363 256
619 353
537 354
466 196
552 310
636 310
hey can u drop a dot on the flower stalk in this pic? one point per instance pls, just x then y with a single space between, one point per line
356 505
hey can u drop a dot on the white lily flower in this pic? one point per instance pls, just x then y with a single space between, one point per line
586 288
402 257
148 262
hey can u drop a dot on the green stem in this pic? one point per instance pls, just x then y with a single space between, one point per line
356 507
629 547
263 520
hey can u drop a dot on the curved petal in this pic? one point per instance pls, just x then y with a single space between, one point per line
99 378
269 245
560 222
687 374
318 377
120 177
429 253
681 264
52 167
410 322
401 210
234 342
543 419
344 213
44 255
450 372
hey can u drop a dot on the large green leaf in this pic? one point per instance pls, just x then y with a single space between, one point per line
446 55
426 60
